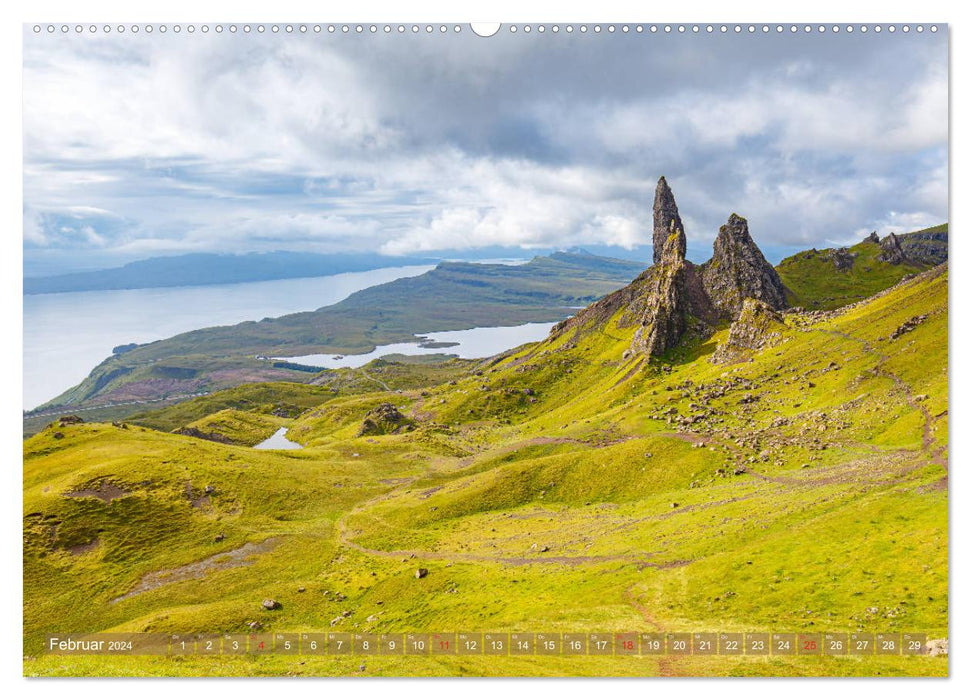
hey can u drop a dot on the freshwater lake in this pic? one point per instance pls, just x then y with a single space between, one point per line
278 441
67 334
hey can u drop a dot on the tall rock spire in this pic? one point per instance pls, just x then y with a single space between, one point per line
738 270
666 305
666 217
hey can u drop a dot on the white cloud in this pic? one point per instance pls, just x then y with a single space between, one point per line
168 143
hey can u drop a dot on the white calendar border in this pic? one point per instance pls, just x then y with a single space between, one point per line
828 11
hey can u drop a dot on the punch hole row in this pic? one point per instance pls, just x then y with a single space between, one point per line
455 28
253 28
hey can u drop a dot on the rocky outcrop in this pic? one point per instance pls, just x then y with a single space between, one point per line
382 420
738 271
842 259
665 305
872 238
907 326
666 217
892 252
194 432
757 327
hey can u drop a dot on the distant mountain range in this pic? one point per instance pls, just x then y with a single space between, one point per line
197 269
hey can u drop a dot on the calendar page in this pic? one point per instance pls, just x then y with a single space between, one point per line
547 349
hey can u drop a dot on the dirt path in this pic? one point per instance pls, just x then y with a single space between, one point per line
376 381
241 556
463 557
665 664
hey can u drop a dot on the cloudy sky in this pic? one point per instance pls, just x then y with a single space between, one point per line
145 145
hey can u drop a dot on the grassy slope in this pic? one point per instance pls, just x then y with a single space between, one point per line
453 296
838 524
815 283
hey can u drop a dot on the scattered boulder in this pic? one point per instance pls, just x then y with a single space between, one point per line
421 573
219 538
270 604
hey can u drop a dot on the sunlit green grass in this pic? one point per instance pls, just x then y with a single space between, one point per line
544 491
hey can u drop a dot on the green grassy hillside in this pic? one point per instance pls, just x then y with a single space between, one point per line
816 282
564 486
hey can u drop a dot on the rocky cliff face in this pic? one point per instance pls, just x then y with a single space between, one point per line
738 271
666 217
666 305
927 248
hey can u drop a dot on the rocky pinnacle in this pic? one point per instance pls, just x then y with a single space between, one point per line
738 271
666 217
666 305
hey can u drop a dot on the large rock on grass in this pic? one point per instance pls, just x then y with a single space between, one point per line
383 419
